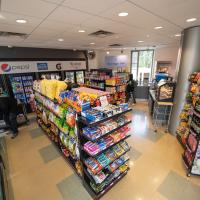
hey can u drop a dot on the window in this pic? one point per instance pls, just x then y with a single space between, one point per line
142 64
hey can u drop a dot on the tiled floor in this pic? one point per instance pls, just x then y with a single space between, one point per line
38 172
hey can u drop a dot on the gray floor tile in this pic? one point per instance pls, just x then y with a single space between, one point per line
153 136
72 189
36 132
176 187
134 154
49 153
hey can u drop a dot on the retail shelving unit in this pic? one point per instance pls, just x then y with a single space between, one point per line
191 156
187 111
77 156
88 176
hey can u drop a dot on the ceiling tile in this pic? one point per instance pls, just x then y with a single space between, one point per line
66 15
138 18
35 8
92 6
9 18
177 10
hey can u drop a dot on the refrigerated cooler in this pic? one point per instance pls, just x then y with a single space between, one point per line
80 77
75 76
21 86
50 75
70 76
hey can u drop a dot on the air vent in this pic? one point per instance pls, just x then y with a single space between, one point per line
101 34
12 34
115 45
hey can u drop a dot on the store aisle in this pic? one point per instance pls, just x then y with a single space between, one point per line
39 172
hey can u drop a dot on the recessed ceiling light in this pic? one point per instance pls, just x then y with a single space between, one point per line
107 52
74 49
21 21
140 41
158 27
92 43
81 31
123 14
60 39
177 35
10 46
191 20
148 35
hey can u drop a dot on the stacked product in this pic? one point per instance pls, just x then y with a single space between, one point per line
186 114
104 131
96 79
58 119
89 132
117 87
191 155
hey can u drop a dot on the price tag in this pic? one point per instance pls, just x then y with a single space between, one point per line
104 101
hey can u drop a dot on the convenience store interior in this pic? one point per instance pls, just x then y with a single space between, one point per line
82 136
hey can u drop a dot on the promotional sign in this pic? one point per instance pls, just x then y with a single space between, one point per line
34 66
42 66
116 61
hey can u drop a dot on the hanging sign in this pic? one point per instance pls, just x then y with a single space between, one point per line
34 66
116 61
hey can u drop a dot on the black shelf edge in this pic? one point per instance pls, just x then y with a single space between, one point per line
92 179
95 140
192 131
197 113
106 189
111 161
91 124
107 147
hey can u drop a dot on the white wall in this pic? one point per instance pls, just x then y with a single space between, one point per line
168 53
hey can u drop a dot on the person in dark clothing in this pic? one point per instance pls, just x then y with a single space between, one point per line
130 88
8 106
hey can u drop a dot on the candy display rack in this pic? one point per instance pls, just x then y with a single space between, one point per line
187 111
191 156
65 126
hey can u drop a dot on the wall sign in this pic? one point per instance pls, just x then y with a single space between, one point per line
116 61
34 66
42 66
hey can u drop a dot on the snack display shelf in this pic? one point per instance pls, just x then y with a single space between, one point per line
189 149
95 87
196 113
115 85
95 140
91 124
111 161
95 79
185 162
69 160
53 100
106 189
126 137
56 114
192 131
180 140
92 179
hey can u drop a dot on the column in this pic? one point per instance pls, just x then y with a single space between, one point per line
189 62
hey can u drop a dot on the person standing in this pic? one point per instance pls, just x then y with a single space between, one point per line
130 89
8 107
